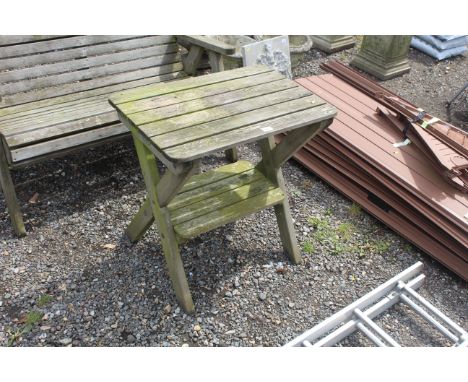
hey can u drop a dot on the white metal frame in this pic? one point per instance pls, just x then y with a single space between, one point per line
359 314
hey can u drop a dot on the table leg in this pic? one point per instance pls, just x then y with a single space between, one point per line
167 187
273 156
282 210
141 222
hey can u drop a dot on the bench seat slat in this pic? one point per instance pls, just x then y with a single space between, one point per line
64 143
50 105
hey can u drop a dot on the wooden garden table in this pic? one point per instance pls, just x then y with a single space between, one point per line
183 121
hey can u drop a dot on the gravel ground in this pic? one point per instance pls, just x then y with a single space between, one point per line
76 280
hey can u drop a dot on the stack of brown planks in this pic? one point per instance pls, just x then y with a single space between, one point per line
401 186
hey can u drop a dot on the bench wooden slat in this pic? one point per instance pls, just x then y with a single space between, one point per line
205 119
45 120
118 78
88 74
49 105
51 133
19 39
197 93
62 43
150 91
64 143
249 133
86 62
83 51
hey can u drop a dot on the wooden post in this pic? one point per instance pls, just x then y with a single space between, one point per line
282 210
141 222
162 216
192 60
9 192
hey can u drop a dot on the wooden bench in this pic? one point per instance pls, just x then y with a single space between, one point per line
54 92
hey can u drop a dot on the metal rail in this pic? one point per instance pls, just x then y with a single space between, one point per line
359 314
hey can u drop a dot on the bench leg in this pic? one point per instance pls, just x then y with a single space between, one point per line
282 210
192 60
9 192
162 217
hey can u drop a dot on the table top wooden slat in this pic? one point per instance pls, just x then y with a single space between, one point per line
217 113
198 116
153 90
198 93
250 133
221 126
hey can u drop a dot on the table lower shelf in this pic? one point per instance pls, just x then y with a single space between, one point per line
220 196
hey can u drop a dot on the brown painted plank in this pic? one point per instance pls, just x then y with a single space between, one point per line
353 168
406 228
364 128
426 210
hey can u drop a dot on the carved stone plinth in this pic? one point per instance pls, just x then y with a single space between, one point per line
384 57
330 44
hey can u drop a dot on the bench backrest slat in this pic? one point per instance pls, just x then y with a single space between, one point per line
31 71
55 56
19 39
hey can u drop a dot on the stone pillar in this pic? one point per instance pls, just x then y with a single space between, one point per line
384 57
330 44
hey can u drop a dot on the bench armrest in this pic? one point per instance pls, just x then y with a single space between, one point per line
209 44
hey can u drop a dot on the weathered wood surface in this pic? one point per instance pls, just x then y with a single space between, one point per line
183 126
80 50
168 236
179 123
54 91
233 212
269 167
8 189
209 43
88 61
189 83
